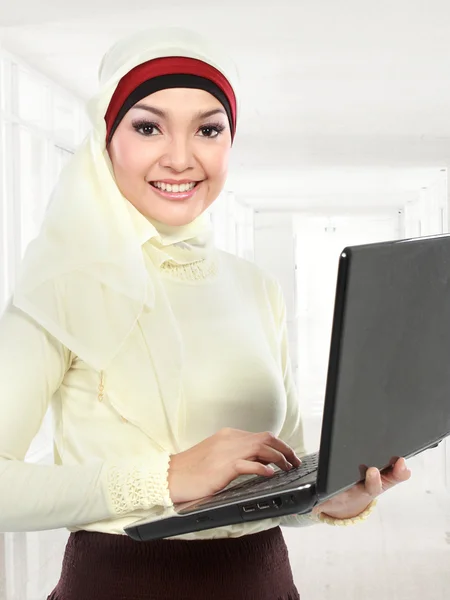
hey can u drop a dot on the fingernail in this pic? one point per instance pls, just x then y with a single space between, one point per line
404 465
289 466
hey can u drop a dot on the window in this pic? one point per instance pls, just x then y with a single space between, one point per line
32 98
31 183
40 125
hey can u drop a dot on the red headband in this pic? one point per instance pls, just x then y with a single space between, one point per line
166 66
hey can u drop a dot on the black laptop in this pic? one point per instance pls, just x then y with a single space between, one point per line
387 392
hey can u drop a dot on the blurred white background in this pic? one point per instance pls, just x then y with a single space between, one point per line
343 137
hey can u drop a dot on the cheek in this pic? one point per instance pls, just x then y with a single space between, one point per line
126 158
218 163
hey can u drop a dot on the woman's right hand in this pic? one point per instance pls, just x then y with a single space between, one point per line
211 465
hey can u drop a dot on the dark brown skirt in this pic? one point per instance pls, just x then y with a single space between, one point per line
99 566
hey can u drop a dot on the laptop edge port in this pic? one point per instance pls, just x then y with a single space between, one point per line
263 505
249 508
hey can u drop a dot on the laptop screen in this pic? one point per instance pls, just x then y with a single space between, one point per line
388 386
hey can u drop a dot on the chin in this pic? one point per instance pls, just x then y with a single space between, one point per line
177 215
175 220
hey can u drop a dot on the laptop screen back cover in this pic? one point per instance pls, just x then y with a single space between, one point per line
388 384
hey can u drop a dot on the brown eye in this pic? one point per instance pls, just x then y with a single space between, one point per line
211 131
146 128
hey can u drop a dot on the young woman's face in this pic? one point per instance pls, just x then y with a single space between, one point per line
170 154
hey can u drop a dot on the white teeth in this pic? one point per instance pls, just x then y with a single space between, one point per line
175 188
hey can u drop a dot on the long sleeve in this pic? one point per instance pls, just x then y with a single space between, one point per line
292 430
37 497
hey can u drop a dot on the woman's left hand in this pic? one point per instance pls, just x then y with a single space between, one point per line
355 500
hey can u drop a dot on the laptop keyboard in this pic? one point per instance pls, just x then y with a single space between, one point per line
255 485
262 484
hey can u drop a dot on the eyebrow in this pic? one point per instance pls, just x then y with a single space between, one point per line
163 115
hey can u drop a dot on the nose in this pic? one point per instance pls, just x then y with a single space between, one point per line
178 154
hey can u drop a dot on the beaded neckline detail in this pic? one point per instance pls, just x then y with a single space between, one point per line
195 271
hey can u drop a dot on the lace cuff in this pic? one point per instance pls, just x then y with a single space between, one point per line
324 518
139 486
312 519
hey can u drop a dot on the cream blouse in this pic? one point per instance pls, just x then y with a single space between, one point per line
108 470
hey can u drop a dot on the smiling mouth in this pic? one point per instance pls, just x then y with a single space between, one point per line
174 188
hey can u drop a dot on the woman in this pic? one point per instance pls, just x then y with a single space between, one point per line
165 361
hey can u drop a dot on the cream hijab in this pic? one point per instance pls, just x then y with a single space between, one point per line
84 278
